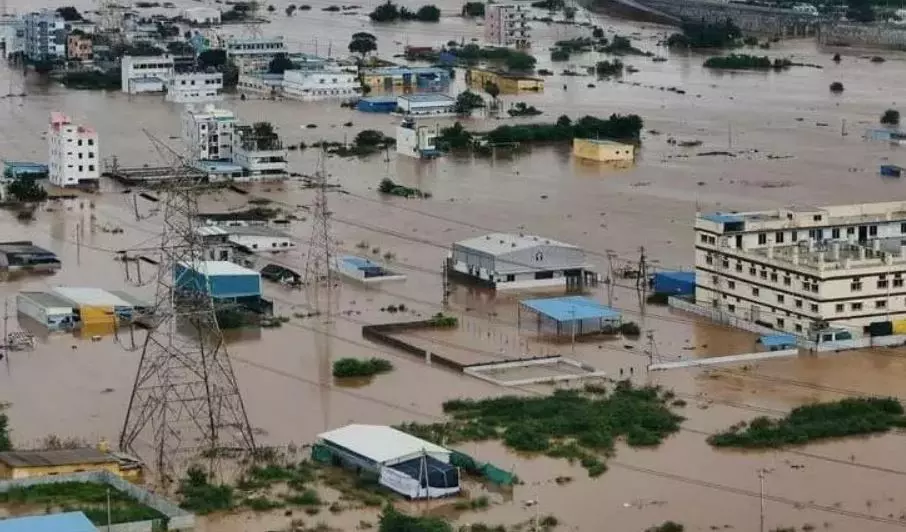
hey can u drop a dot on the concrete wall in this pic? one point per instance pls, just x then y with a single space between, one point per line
750 19
868 35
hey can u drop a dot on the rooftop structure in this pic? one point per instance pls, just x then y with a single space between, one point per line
406 79
253 54
382 445
507 25
573 315
202 15
313 85
260 152
209 132
426 104
601 150
797 267
49 310
377 104
365 270
502 261
90 296
234 219
63 522
195 87
45 36
23 255
40 463
508 83
17 169
259 239
145 73
221 279
73 153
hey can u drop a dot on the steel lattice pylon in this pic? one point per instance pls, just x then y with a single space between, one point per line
185 397
321 247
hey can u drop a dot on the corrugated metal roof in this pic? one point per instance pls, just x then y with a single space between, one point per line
428 98
211 230
64 522
87 455
90 296
46 300
379 443
256 230
129 298
571 308
500 243
219 267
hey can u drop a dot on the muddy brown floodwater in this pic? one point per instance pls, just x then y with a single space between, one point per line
74 387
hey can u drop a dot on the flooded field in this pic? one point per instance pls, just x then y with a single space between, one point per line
770 121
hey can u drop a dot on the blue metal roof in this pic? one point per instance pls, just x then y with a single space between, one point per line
64 522
399 71
720 217
571 308
358 262
777 340
22 165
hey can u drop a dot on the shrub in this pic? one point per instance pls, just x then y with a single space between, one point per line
473 9
836 87
353 367
201 497
891 117
668 526
630 328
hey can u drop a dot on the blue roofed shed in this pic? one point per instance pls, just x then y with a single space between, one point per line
377 104
565 316
674 283
17 169
63 522
774 342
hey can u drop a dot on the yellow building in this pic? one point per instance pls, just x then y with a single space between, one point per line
604 151
31 463
477 78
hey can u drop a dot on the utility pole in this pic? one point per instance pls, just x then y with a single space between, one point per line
321 248
185 397
572 313
446 285
762 473
651 349
78 238
610 256
109 520
641 281
6 333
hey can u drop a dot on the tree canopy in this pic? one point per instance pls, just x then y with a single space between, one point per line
280 64
363 43
69 13
520 62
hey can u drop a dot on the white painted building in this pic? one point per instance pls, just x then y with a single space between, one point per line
311 85
506 261
201 15
258 239
12 35
417 141
45 36
195 87
262 158
141 74
209 132
253 54
507 25
74 158
793 268
426 105
267 85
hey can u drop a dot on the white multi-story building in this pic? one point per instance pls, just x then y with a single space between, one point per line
12 35
507 25
45 36
417 141
310 85
253 54
145 73
73 159
263 157
195 87
209 132
798 269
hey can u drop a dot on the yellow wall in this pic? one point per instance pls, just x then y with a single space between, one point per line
478 78
27 472
609 152
899 326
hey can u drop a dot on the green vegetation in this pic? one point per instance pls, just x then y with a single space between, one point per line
108 80
442 320
559 54
579 44
570 424
667 526
362 43
746 62
513 60
620 45
891 117
69 14
390 12
466 101
26 190
280 64
473 9
392 520
706 35
366 142
6 443
388 187
88 497
523 109
353 367
202 497
609 68
820 421
630 328
836 87
550 5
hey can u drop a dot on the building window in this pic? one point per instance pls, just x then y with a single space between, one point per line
780 298
903 227
773 277
764 274
835 232
91 142
752 271
755 292
91 168
855 306
798 303
850 231
816 218
872 230
898 283
704 238
81 168
725 263
882 283
881 303
762 239
709 259
838 308
739 266
778 237
780 322
855 285
731 308
814 307
731 284
787 281
794 236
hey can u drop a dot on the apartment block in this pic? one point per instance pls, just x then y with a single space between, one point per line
74 158
507 25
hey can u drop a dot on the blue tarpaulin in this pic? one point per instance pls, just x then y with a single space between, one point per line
778 341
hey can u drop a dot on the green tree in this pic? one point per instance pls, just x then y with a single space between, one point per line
215 58
5 442
466 101
386 12
392 520
473 9
363 44
520 62
69 13
891 117
26 191
280 64
369 138
860 10
492 89
428 13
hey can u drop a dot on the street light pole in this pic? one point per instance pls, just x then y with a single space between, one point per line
761 473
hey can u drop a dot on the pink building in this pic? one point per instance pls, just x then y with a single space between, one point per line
74 152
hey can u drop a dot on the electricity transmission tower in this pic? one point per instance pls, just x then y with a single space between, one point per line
321 249
185 397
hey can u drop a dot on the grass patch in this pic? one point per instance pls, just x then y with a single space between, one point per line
88 497
821 421
479 503
568 424
387 186
442 320
202 497
353 367
308 497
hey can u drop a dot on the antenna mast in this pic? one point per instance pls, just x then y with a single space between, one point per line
185 397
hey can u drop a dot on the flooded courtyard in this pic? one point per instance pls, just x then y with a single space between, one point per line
784 133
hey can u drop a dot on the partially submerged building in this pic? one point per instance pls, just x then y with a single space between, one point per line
605 151
568 316
508 83
365 270
420 105
62 522
800 269
40 463
405 79
410 466
259 239
48 310
23 255
413 140
507 261
230 286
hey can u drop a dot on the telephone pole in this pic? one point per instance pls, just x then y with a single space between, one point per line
641 280
446 285
185 397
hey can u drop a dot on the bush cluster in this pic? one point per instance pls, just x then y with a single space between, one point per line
353 367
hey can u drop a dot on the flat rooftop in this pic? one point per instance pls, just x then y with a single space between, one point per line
804 216
500 243
836 255
428 98
219 267
90 296
62 522
24 247
379 443
571 308
87 455
256 230
604 142
47 300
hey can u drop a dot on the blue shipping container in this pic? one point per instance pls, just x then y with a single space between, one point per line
223 279
674 283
